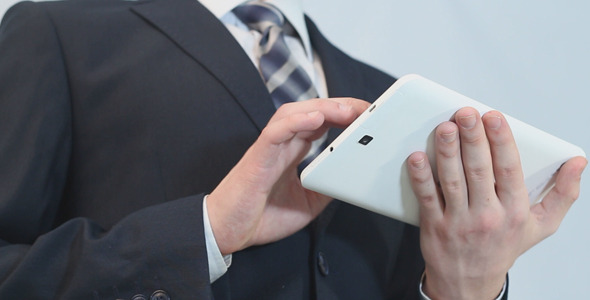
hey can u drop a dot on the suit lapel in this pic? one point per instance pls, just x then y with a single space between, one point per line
200 34
194 29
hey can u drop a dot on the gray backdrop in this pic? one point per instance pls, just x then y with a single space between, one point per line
526 58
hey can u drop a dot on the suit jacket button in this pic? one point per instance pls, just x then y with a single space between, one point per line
160 295
139 297
323 264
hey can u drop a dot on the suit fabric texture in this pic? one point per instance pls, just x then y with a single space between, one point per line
116 118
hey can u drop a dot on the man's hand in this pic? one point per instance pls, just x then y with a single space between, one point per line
477 219
261 200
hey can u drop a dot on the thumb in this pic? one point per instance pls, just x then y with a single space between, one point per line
551 211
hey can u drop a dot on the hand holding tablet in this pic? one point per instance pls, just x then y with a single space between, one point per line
366 164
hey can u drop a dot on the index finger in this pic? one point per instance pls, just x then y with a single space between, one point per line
337 111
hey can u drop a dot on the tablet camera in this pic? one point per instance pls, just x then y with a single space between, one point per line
365 140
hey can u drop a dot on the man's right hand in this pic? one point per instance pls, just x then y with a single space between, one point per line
261 199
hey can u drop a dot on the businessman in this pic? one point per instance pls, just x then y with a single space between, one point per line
144 154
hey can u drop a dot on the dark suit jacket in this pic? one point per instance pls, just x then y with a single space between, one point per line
116 117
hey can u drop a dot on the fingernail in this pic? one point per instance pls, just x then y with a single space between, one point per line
449 137
494 122
313 114
418 164
467 122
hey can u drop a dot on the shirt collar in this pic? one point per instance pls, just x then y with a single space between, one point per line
292 9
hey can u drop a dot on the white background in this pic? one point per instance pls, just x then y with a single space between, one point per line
527 58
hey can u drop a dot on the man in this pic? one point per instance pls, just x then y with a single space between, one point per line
140 148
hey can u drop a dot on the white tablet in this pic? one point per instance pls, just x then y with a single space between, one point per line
366 164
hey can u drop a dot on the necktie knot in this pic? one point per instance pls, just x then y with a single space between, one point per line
260 16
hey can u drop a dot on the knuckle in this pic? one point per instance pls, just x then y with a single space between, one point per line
489 222
420 177
429 200
449 232
266 131
485 227
350 101
453 186
477 173
448 152
320 104
332 104
568 195
294 118
285 107
507 172
519 217
475 138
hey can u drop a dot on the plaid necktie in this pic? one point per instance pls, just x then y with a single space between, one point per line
285 79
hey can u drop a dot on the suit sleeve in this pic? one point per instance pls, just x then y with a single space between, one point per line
156 248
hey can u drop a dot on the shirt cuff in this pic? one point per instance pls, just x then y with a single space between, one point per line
424 297
218 264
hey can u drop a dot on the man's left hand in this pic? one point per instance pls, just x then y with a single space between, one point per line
477 219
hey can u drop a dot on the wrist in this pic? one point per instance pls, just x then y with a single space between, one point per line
452 287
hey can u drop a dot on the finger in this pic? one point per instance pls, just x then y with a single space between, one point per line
301 121
285 138
551 211
505 159
450 168
286 128
338 111
424 187
477 161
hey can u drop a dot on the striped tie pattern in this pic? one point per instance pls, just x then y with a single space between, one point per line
285 79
